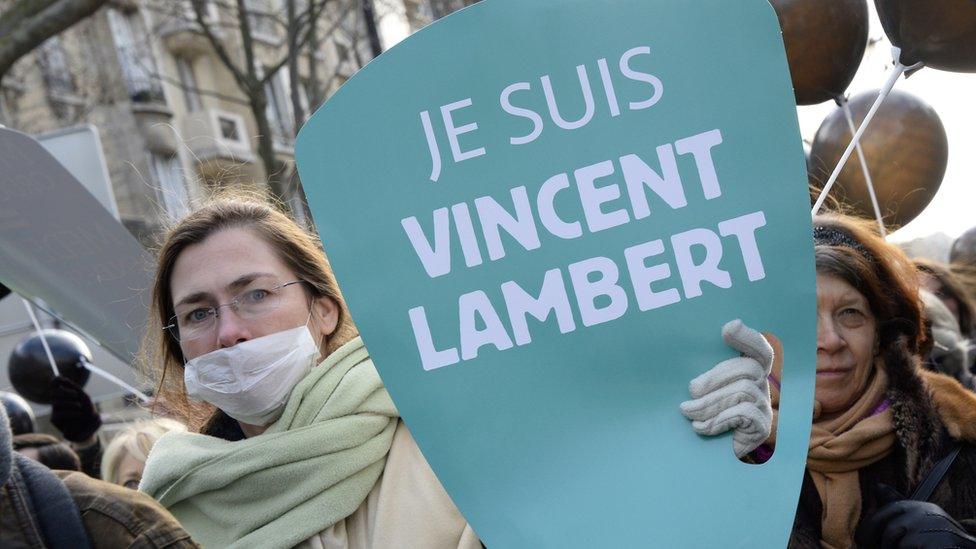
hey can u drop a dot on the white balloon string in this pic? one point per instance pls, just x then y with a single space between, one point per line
846 106
37 327
111 378
896 72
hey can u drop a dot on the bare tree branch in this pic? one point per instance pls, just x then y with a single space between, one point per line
247 42
29 23
218 46
199 91
299 43
17 13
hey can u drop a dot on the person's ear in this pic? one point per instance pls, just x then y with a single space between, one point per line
325 312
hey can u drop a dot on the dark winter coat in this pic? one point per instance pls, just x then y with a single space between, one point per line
40 508
932 414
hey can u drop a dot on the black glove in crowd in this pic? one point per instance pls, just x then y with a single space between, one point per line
908 524
72 411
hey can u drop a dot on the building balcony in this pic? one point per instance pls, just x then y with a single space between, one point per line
217 139
184 37
154 121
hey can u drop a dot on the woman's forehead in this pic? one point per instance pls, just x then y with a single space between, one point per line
836 288
224 260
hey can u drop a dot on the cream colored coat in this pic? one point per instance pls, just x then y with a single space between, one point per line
408 508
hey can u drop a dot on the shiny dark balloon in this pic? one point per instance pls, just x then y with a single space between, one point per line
939 33
19 412
963 250
906 150
30 371
825 41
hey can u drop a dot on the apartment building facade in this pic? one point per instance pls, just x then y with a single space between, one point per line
174 124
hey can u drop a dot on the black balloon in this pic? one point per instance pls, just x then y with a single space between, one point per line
939 33
19 411
963 249
906 150
825 41
30 371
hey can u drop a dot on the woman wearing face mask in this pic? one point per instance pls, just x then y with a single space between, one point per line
299 443
882 424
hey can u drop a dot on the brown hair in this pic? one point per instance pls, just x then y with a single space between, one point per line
953 287
299 249
51 452
852 250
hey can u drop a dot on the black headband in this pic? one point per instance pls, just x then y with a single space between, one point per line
833 236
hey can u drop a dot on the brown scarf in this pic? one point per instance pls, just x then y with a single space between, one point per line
839 448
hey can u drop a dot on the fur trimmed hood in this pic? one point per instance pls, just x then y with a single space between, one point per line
927 406
955 404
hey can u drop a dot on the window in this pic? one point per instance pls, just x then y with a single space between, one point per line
11 88
229 128
188 82
279 110
210 12
261 16
304 96
54 67
138 65
167 177
342 52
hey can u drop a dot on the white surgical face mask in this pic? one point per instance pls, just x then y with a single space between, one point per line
251 381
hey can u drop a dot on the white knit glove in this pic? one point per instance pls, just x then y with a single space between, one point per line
734 395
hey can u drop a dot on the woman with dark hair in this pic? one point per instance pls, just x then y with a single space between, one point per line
884 429
48 450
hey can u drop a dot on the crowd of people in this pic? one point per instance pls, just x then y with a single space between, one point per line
273 428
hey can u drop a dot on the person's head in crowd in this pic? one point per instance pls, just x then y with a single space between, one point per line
951 353
19 411
125 456
878 416
867 294
46 449
939 279
41 507
963 250
235 271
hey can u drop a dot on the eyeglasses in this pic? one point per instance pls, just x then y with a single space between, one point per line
251 304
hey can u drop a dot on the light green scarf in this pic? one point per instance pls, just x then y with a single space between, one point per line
310 469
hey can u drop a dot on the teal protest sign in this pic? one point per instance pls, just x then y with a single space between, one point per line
541 214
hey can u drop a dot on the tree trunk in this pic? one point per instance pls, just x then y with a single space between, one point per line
273 168
316 94
294 53
374 37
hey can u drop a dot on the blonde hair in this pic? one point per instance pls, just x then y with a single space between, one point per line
136 440
298 249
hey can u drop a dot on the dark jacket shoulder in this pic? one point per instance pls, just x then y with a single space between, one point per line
115 516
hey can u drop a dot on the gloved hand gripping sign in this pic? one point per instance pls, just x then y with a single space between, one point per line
542 214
